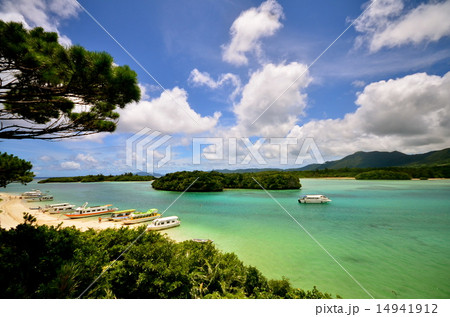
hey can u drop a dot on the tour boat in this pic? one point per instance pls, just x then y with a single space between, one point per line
201 240
164 223
32 193
59 208
84 211
313 199
40 198
141 216
120 215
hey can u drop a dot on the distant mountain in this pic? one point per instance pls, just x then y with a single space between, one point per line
385 159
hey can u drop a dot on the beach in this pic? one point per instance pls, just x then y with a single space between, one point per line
13 208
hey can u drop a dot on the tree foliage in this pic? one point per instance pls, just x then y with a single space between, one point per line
14 169
55 262
126 177
215 181
380 174
49 91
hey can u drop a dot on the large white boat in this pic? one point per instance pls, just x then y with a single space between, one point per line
85 211
314 199
141 216
164 223
59 208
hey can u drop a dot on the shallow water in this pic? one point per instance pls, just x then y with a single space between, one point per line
391 236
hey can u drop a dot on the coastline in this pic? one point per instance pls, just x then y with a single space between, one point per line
13 208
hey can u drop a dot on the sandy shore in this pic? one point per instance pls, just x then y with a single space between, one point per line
13 207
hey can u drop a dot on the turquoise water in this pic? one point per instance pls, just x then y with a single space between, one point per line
391 236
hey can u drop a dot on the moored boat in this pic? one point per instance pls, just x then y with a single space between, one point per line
84 211
120 215
164 223
39 198
59 208
313 199
142 216
32 193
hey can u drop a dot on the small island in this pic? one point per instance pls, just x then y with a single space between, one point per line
216 181
126 177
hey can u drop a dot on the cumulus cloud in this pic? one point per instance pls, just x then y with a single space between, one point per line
44 13
87 158
274 99
248 30
168 113
385 24
70 165
204 79
408 114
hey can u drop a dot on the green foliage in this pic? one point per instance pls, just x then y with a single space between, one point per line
126 177
414 172
380 174
215 181
43 81
14 169
55 262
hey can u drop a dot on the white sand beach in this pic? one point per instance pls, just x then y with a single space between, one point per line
13 207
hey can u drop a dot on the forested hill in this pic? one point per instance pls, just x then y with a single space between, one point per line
385 159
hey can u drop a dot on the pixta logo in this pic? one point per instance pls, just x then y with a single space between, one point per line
143 153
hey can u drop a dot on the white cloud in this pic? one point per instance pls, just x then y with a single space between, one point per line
274 95
70 165
248 29
45 158
408 114
87 158
385 25
169 113
43 13
204 79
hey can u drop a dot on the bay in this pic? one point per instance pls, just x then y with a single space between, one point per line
392 237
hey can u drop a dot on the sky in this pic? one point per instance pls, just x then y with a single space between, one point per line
253 84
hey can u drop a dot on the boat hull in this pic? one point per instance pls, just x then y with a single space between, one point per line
163 227
132 221
89 214
303 201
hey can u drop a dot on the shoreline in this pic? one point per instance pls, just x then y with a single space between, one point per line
13 208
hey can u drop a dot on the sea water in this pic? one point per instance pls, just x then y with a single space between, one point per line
386 239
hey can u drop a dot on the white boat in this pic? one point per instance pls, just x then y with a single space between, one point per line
141 216
84 211
32 193
59 208
314 199
39 198
119 215
164 223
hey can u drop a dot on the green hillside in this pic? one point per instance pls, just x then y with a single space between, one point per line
385 159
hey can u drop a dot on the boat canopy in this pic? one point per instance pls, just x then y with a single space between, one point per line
123 211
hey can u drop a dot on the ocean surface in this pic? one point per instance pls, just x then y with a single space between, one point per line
392 237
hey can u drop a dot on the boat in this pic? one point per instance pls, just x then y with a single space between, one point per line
141 216
202 240
39 198
59 208
313 199
120 215
32 193
85 211
164 223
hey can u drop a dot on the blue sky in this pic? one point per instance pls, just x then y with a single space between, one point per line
241 70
